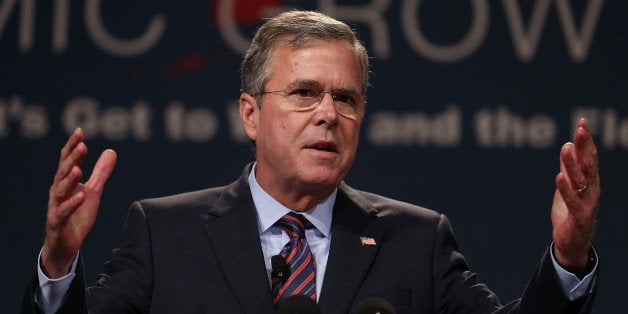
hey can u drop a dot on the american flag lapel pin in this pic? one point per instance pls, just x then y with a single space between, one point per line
367 241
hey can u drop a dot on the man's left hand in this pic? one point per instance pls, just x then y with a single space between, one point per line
575 199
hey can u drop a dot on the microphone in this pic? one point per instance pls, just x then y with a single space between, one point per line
298 304
374 305
281 269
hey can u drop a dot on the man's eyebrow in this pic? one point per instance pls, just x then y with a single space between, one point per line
347 91
313 84
305 84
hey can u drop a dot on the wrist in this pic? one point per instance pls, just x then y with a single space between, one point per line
579 271
55 265
571 257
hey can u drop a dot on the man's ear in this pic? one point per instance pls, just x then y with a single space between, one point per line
249 114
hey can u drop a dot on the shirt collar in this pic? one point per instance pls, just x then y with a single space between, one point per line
269 210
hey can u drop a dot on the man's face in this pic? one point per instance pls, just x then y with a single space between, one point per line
306 151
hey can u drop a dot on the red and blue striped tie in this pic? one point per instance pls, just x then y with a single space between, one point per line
298 256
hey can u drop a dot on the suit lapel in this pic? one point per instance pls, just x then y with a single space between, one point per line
349 260
233 232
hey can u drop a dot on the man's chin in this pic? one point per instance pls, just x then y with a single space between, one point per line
322 177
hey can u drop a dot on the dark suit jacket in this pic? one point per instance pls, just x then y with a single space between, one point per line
200 252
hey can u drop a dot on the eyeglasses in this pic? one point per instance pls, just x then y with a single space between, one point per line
347 102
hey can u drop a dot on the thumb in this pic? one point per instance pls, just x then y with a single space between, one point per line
102 170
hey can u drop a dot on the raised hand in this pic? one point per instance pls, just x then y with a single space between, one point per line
72 206
575 199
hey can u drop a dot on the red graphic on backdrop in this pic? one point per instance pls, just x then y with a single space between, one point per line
247 12
244 13
189 63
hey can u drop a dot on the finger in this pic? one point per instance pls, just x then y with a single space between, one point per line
102 170
69 151
586 151
569 167
68 207
73 158
65 209
75 138
68 184
569 195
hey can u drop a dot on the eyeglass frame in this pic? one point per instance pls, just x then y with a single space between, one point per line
318 99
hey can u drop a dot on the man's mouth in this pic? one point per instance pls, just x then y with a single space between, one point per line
323 146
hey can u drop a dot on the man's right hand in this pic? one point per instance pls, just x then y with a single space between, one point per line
72 206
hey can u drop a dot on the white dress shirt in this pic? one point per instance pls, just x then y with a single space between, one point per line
274 238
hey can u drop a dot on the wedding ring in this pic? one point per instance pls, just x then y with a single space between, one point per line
582 189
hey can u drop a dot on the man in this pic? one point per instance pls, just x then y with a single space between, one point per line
225 250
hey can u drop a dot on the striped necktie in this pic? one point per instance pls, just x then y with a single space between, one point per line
297 254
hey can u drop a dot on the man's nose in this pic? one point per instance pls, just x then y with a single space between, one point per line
326 112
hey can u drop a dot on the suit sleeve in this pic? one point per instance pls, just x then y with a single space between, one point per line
544 289
458 290
74 301
125 285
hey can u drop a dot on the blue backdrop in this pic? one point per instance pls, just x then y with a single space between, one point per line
470 104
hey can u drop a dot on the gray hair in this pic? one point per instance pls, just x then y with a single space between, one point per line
296 29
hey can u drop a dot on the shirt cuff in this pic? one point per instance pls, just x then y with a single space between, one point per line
573 287
53 291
